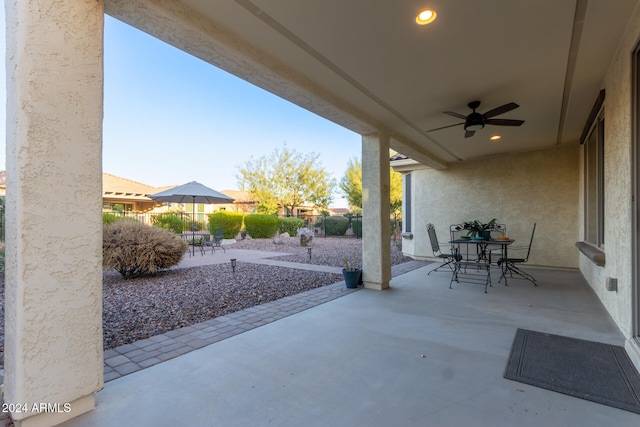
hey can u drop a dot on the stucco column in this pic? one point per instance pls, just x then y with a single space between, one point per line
376 228
53 296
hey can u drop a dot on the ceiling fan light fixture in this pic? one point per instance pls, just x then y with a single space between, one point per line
426 17
472 127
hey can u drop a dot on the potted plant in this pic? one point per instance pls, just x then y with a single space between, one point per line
351 273
478 229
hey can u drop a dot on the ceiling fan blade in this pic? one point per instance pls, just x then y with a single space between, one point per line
469 133
444 127
503 122
454 114
501 110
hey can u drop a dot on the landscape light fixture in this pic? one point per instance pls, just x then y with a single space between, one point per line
309 251
233 264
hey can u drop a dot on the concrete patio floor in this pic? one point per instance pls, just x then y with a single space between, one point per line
418 354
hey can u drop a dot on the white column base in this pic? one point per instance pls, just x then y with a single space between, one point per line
376 286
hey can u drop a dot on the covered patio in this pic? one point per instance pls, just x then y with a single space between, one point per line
334 364
369 67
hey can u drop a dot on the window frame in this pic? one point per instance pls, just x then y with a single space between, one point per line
407 208
593 167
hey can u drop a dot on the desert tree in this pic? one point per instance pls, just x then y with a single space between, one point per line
287 179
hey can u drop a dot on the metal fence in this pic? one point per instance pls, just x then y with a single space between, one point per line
322 226
334 226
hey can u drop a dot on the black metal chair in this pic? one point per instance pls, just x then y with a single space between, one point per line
510 263
498 230
216 240
435 247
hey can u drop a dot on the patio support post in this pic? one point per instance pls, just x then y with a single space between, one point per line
53 298
376 230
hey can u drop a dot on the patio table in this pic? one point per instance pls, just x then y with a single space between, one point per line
482 264
193 238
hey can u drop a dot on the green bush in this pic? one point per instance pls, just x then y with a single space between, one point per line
230 222
290 225
356 226
336 225
261 225
199 225
168 221
134 249
2 246
109 218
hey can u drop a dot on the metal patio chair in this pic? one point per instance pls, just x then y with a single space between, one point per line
448 258
510 263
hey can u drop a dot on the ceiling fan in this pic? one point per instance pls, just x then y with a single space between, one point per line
476 121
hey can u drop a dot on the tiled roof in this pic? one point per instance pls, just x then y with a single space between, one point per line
239 196
118 186
398 156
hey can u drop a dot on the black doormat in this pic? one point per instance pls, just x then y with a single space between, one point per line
589 370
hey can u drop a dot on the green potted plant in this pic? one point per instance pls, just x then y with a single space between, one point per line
478 229
351 273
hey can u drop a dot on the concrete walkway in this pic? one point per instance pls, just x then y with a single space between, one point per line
250 256
419 354
133 357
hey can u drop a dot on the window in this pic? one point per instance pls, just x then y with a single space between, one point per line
406 210
117 207
594 182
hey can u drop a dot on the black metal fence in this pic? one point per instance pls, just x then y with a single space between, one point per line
333 226
322 226
2 227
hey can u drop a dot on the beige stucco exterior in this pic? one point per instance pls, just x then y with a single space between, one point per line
517 189
618 149
53 336
376 258
53 298
546 187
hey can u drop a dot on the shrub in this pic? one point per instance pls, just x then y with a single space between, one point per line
290 225
230 222
2 245
199 225
109 218
336 225
134 249
168 221
261 225
356 226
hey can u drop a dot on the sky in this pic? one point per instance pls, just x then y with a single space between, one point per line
170 118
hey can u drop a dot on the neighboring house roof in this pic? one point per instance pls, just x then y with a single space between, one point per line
115 186
398 156
339 211
239 196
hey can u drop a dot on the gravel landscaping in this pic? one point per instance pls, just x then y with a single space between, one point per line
138 308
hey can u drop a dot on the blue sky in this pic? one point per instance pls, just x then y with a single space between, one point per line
171 118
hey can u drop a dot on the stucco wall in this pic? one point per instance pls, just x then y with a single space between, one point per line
517 189
618 186
53 298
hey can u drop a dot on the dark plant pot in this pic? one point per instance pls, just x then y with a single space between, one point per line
485 234
352 278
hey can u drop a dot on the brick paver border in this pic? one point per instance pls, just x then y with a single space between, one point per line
133 357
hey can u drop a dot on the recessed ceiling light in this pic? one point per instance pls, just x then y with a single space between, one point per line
495 137
426 17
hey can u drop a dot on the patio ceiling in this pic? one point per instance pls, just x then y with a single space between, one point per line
368 66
